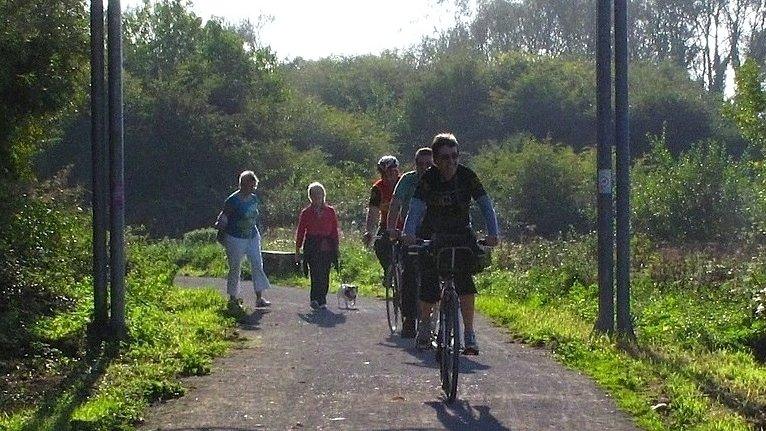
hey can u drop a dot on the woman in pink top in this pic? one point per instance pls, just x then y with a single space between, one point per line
317 233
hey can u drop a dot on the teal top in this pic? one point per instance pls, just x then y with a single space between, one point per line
405 188
242 215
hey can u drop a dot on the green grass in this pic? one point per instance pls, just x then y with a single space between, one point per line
694 328
173 332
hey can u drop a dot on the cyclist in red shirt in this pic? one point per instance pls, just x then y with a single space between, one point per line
377 209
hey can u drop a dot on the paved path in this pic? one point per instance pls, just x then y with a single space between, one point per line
341 370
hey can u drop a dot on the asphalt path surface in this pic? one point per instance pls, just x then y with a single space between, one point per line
339 369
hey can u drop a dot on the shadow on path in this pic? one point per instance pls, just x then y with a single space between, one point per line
461 416
213 429
428 357
252 321
323 318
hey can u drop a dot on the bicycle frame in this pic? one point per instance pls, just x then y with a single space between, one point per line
392 279
447 341
448 338
448 346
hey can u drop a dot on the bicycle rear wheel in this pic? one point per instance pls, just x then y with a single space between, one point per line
393 307
448 350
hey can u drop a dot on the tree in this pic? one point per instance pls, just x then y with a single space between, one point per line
551 27
747 107
43 47
452 95
666 102
371 84
160 36
547 98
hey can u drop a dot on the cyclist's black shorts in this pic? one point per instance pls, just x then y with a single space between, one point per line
429 277
429 282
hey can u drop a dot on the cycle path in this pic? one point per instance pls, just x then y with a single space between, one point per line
339 369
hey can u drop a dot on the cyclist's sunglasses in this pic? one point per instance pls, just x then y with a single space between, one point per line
447 156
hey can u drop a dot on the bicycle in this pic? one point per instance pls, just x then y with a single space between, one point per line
392 281
451 259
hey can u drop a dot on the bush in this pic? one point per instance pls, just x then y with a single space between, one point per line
45 244
346 189
539 186
699 196
200 236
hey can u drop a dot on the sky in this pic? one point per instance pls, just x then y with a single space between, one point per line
314 29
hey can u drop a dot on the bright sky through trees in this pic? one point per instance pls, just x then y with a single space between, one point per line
315 29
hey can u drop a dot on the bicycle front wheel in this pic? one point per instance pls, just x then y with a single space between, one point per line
449 351
393 309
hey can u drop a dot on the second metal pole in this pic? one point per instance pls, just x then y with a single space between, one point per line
605 321
622 134
116 167
98 170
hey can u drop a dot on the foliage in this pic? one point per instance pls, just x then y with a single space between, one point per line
342 135
45 244
567 29
704 38
160 37
201 107
451 95
547 98
346 190
700 196
747 108
173 332
44 50
538 188
373 85
665 101
697 337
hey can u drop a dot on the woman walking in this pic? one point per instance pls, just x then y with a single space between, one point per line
317 233
242 238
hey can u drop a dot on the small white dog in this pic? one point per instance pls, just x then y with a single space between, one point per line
347 294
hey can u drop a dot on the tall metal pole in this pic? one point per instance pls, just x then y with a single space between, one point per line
98 168
116 167
605 322
622 134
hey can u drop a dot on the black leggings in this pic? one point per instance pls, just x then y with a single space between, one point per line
319 269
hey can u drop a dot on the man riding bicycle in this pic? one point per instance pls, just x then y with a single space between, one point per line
441 206
398 211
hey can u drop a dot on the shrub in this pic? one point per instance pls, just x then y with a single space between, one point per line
698 196
544 187
346 189
200 236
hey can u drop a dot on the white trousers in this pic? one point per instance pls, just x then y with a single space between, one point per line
236 249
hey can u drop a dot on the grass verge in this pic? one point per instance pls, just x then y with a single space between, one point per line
173 332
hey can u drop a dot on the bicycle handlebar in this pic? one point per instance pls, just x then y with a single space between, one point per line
425 245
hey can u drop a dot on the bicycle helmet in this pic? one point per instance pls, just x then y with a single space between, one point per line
386 162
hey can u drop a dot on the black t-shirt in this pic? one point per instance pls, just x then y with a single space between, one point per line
448 203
